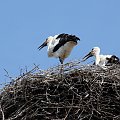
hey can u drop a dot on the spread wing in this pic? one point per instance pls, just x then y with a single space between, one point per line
64 38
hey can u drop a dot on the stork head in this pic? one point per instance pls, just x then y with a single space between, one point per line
95 51
45 43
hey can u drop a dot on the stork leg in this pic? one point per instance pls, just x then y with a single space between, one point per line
61 60
61 69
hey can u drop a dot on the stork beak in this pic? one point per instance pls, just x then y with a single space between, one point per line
87 56
43 45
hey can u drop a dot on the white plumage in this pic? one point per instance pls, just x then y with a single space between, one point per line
60 46
101 60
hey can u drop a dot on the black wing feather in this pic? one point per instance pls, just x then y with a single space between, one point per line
113 60
64 38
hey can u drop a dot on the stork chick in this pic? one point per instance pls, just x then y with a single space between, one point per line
60 46
101 60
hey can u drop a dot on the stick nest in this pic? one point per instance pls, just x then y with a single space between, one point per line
86 92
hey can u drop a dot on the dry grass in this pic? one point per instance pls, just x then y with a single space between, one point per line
81 93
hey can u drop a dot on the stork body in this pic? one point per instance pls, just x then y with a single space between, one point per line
60 46
101 60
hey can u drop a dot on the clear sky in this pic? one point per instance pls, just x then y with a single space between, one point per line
25 24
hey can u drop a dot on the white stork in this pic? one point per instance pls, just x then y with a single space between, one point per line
60 46
101 60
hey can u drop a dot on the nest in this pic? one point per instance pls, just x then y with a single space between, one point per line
81 93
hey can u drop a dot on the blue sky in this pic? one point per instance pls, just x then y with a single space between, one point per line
25 24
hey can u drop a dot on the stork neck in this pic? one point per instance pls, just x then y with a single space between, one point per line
97 59
96 55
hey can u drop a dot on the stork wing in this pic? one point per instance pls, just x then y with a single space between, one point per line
64 38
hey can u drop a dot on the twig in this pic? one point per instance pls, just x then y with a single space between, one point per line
3 116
